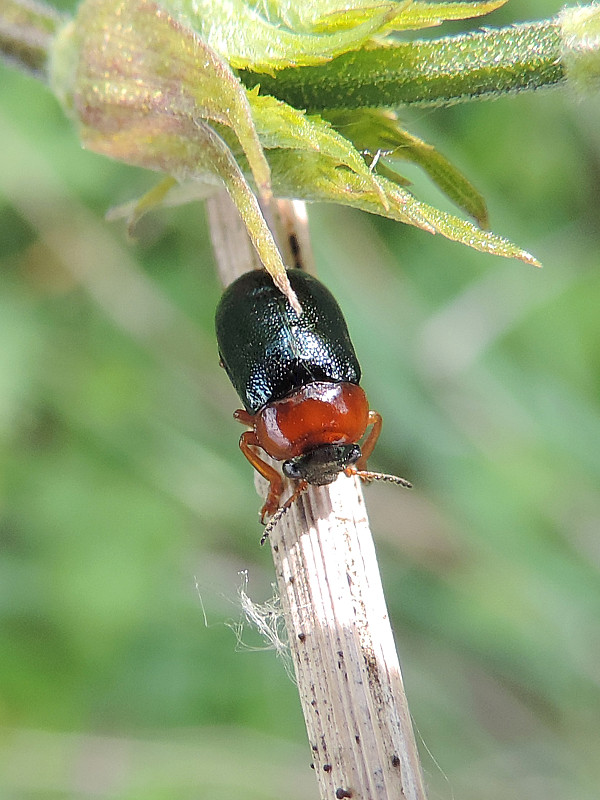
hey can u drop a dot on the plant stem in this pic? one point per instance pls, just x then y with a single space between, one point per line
427 72
341 642
26 31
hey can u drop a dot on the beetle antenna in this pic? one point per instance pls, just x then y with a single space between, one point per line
300 489
367 476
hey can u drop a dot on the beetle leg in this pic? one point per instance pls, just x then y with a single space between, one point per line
367 448
244 417
248 440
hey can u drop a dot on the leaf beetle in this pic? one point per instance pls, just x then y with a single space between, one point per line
298 378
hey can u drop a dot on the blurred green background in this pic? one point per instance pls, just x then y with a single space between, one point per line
128 517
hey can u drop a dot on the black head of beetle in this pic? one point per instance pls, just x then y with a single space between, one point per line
323 464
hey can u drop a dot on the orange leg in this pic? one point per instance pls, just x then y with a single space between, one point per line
248 441
371 440
244 417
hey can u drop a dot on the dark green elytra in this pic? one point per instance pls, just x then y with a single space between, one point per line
269 351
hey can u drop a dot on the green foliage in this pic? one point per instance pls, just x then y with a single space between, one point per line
249 39
128 73
271 35
379 133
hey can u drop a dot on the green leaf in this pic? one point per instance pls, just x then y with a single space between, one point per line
249 39
313 177
312 16
460 230
281 126
134 211
130 74
339 16
426 15
148 89
379 133
130 62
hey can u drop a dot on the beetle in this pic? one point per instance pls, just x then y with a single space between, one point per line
298 377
